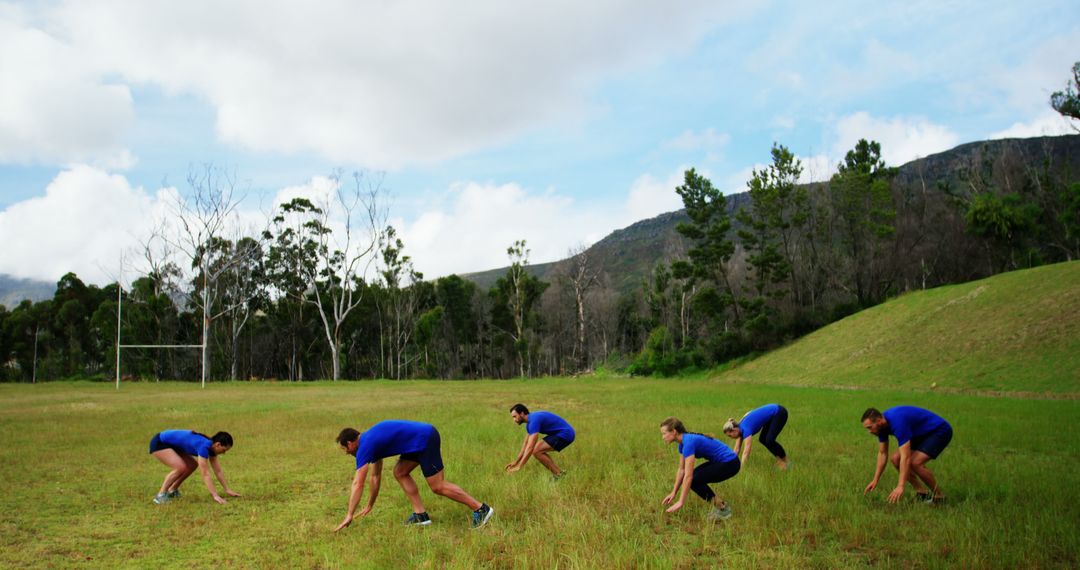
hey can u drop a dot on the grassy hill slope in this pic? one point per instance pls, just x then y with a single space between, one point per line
1014 332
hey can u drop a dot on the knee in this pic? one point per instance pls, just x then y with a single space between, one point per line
400 474
895 459
439 488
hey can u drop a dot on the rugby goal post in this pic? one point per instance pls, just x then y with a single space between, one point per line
120 345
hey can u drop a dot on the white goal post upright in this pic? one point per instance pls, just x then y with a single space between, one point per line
119 312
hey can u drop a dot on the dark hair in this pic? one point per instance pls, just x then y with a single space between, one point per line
520 408
872 414
673 423
221 437
347 435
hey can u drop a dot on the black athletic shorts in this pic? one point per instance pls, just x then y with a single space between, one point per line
934 442
157 445
430 458
557 443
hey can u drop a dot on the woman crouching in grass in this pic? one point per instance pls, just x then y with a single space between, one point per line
183 451
721 464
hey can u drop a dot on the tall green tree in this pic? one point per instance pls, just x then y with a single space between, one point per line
862 203
773 224
517 292
1067 102
399 312
709 269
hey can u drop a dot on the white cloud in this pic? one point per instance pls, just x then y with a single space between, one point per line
650 197
377 84
1049 123
83 223
902 138
54 107
472 232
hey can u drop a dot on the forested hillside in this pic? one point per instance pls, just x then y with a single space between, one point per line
724 278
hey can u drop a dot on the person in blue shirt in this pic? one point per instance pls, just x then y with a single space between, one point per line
183 451
417 445
921 436
557 435
770 420
721 464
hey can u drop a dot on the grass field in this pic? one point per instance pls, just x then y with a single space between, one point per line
77 479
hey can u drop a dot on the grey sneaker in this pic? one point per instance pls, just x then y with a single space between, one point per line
480 516
161 498
174 494
720 514
418 519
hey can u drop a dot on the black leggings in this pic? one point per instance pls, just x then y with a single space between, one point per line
711 472
771 429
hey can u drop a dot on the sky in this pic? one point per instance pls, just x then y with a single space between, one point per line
487 122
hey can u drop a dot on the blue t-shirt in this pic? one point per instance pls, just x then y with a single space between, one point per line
188 441
548 423
706 448
751 423
906 422
392 437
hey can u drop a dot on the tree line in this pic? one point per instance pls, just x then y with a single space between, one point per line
326 289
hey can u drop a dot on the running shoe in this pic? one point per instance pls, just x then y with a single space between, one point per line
559 476
418 519
720 514
174 494
480 516
161 498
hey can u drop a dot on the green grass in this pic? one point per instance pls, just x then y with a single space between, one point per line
1015 332
77 479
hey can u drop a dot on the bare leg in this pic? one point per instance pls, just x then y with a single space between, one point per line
441 486
911 476
173 460
191 465
403 474
540 452
918 467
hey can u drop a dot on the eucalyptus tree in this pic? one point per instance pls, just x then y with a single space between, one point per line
582 277
516 293
323 250
201 225
399 312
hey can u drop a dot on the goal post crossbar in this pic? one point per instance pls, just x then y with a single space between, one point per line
119 314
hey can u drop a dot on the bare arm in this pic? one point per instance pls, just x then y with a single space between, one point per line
678 483
221 477
354 496
376 483
905 468
882 460
204 470
687 472
745 448
526 453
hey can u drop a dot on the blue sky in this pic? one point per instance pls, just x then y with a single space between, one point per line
553 122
